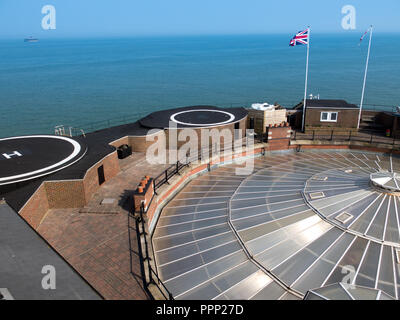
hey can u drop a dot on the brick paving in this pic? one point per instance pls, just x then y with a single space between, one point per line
96 240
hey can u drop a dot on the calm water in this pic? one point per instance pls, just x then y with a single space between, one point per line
79 81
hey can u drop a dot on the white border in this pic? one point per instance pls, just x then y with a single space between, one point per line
39 173
231 118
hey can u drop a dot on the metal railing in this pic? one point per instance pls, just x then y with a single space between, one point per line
151 276
370 136
204 154
81 129
62 130
165 176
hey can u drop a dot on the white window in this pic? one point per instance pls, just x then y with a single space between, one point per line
316 195
344 217
329 116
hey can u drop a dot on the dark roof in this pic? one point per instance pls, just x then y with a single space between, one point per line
327 104
23 253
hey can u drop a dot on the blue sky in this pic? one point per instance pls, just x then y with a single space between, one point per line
99 18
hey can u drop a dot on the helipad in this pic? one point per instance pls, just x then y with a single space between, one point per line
194 117
202 117
28 157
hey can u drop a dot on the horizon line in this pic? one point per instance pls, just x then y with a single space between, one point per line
349 32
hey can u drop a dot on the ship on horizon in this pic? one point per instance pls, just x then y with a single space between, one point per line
31 39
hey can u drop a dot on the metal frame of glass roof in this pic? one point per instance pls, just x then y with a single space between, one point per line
262 236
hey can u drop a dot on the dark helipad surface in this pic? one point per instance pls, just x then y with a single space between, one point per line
28 157
194 117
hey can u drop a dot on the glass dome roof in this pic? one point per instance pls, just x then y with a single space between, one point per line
295 224
343 291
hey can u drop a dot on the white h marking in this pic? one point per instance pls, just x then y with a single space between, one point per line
10 155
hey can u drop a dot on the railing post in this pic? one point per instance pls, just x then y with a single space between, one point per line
331 135
142 267
350 136
371 137
313 134
154 186
145 243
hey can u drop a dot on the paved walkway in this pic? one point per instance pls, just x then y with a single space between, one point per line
96 240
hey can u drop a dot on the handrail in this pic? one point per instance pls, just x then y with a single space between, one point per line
370 136
145 257
175 169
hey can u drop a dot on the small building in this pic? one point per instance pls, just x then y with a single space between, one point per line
261 116
326 114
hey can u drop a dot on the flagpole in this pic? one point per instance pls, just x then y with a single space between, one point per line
305 87
365 77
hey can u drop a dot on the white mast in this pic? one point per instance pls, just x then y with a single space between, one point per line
365 77
305 87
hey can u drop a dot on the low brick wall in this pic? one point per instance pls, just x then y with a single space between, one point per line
111 169
140 144
36 207
67 193
143 196
278 137
137 143
120 142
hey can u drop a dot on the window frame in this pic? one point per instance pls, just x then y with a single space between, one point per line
329 116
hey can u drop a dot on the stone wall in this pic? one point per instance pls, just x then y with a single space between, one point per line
36 207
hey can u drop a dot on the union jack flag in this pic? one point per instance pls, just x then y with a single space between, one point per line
365 33
300 38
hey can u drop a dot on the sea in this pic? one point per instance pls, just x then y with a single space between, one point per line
94 83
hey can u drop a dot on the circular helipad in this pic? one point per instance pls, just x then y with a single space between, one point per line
202 117
29 157
193 117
